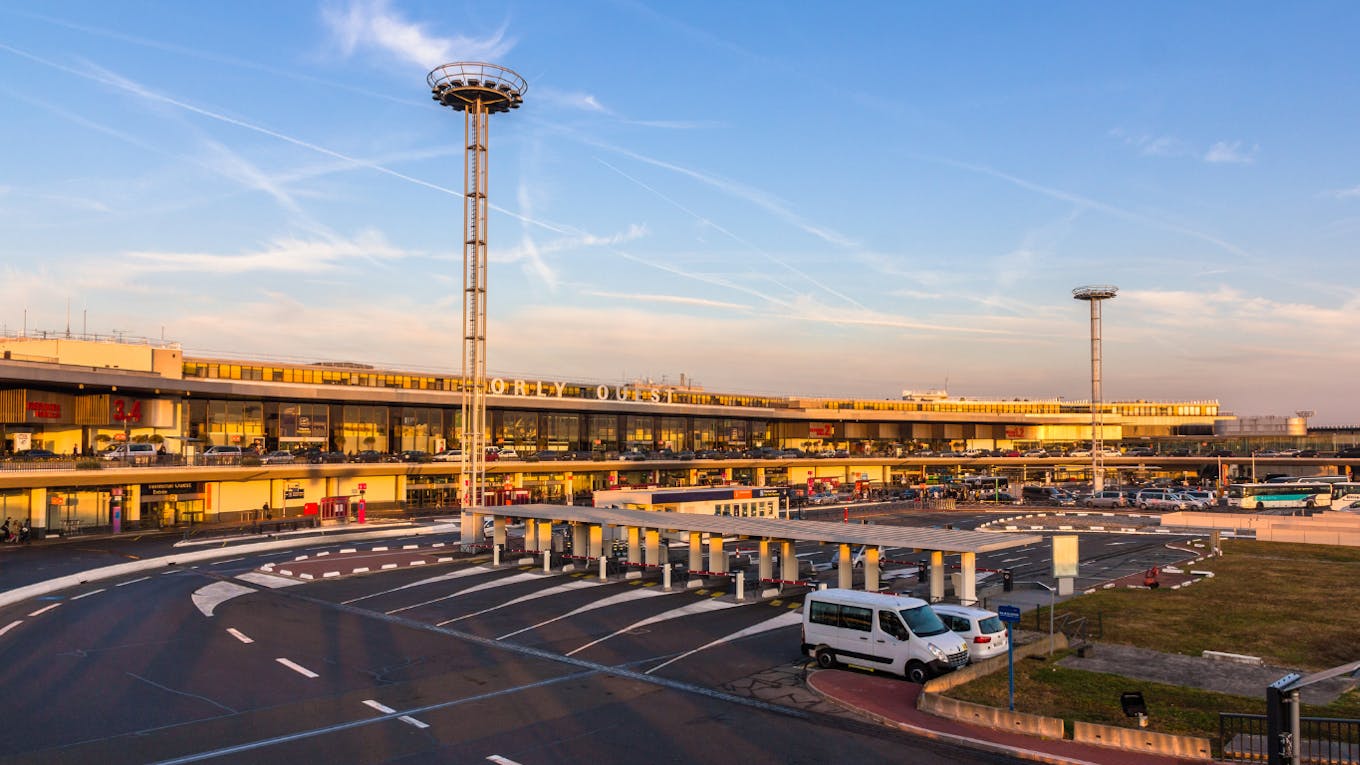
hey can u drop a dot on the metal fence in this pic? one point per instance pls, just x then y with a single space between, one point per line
1322 740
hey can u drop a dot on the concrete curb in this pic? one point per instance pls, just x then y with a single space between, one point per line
50 586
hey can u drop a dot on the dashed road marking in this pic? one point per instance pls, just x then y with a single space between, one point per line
239 635
499 760
11 626
88 594
409 720
132 581
298 668
228 560
44 609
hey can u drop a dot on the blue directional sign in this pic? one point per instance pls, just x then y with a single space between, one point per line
1009 614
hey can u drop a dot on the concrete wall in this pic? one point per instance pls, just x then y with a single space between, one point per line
1328 528
990 717
1139 740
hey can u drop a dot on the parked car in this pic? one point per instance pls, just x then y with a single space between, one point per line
1036 453
214 455
1160 499
546 455
278 457
413 455
632 456
997 498
1106 499
982 630
44 454
507 453
369 455
1141 451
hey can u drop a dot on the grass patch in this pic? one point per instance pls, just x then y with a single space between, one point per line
1294 605
1044 688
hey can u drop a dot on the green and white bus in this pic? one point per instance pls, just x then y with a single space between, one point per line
1280 496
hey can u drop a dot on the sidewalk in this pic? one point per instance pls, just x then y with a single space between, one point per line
892 701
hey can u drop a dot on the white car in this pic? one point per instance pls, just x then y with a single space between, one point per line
982 630
1194 503
1157 499
507 453
448 455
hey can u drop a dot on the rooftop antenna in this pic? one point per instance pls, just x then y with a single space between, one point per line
478 90
68 317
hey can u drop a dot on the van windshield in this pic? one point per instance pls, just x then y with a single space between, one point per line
923 621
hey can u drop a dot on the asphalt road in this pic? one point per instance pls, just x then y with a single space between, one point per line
452 662
133 670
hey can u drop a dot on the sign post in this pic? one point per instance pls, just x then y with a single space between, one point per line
1010 615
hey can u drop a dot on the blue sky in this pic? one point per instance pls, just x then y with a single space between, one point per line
766 197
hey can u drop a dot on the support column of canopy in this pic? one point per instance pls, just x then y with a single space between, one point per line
652 548
580 540
498 531
788 561
634 537
936 576
845 570
545 529
717 556
696 557
967 593
871 569
531 535
766 560
596 532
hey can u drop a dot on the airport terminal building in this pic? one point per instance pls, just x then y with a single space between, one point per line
73 395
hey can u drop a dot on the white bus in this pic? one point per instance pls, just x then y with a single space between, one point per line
1279 496
1346 496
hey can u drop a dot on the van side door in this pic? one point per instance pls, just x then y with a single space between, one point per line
891 640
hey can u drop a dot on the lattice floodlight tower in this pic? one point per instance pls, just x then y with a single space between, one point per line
478 90
1095 295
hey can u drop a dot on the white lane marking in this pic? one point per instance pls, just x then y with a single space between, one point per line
476 588
409 720
44 609
674 613
298 668
603 602
208 597
1010 560
132 581
783 620
228 560
11 626
483 569
88 594
239 635
267 580
499 760
574 584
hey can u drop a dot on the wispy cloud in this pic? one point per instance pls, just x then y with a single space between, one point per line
1224 152
676 299
285 254
372 24
1152 146
1092 204
1350 193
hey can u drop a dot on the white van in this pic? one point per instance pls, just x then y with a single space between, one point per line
136 453
898 634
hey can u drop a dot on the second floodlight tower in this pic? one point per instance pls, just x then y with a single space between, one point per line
1095 295
478 90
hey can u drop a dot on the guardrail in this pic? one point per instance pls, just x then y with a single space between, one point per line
1329 740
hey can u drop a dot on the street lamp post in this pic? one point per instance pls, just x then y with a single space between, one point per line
1095 295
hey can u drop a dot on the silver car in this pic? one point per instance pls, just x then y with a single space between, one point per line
1106 499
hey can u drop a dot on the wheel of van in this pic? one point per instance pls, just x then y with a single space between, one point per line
825 659
917 672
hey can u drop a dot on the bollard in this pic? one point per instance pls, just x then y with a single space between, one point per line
547 561
604 562
495 555
666 577
741 587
